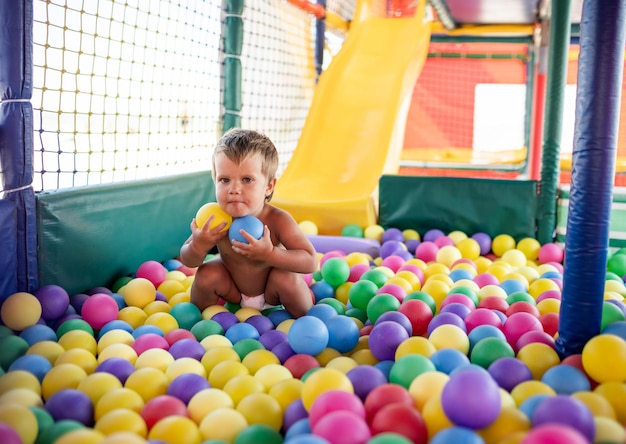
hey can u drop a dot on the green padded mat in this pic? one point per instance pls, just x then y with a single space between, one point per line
617 223
448 203
90 236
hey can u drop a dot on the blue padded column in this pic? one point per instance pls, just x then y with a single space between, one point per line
600 67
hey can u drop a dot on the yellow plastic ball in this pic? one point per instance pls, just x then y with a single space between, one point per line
156 358
148 383
321 381
615 394
491 290
135 316
51 350
20 310
215 341
122 420
450 336
183 296
212 310
207 400
342 363
222 424
21 396
164 321
115 337
60 377
374 232
215 355
286 391
118 398
81 436
530 247
469 248
97 384
427 385
364 357
79 339
245 313
514 257
598 405
502 243
604 358
457 236
19 379
224 371
541 285
482 264
308 227
448 254
509 421
138 292
79 356
123 351
175 429
257 359
21 419
219 216
171 287
538 357
241 386
411 234
327 355
608 430
434 417
123 438
261 408
183 365
415 345
525 389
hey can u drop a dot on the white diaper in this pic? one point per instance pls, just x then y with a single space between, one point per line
257 302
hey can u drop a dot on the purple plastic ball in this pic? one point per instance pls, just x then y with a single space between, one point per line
226 319
271 338
568 411
54 301
392 234
119 367
396 316
432 235
385 338
484 241
71 404
365 378
283 351
509 371
186 385
261 323
446 318
390 248
471 398
187 348
294 412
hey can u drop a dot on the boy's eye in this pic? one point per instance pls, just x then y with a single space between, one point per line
247 179
224 180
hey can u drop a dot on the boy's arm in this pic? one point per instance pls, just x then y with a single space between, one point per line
194 250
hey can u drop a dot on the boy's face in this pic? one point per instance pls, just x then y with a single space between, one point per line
241 189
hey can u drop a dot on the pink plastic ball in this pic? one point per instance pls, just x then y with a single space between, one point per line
356 271
550 253
427 251
481 316
417 271
393 262
334 253
332 401
99 309
483 279
442 241
149 340
393 289
534 336
342 426
554 433
154 271
458 298
554 294
518 324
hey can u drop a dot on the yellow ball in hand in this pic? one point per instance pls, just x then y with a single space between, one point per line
213 209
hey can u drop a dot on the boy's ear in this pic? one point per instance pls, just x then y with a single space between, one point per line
270 187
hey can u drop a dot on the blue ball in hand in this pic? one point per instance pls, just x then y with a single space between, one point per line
249 224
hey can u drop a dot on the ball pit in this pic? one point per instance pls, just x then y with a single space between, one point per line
444 338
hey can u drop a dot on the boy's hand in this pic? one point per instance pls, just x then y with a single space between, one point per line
206 238
255 249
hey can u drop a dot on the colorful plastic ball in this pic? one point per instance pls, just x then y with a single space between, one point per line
309 227
457 434
471 399
379 304
175 428
361 292
118 367
54 301
427 251
9 435
566 379
186 314
335 271
400 419
261 408
322 311
419 314
343 333
518 324
308 335
148 382
508 372
121 420
408 367
383 395
35 364
450 336
488 350
321 381
99 309
20 310
37 333
250 224
502 243
445 318
222 424
322 290
212 209
160 407
187 348
538 357
365 378
186 385
259 433
299 364
604 358
206 401
481 316
154 271
20 419
71 404
385 338
138 292
446 360
550 253
334 400
261 323
343 426
567 411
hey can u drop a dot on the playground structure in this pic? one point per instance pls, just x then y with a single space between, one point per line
88 234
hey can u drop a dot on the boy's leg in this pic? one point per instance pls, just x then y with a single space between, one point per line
290 290
212 282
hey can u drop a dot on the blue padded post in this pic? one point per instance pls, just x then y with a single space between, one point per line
600 71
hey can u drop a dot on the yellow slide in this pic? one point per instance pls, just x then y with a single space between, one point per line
355 128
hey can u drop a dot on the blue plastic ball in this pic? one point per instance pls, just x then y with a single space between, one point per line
250 224
308 335
241 331
343 333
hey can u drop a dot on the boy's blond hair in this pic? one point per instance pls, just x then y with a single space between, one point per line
238 144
